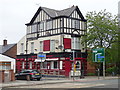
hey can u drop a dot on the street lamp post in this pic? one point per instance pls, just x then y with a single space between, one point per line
59 47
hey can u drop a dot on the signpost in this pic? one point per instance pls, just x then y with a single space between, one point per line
99 56
41 56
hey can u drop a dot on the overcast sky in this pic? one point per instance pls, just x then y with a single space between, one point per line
14 14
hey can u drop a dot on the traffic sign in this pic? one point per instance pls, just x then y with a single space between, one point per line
98 55
41 56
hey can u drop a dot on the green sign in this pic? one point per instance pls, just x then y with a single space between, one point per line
98 54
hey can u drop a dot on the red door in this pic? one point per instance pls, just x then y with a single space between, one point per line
67 68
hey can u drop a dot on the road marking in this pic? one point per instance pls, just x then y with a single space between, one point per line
92 85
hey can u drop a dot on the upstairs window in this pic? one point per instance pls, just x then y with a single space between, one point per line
41 46
34 28
22 47
52 45
28 29
75 43
49 25
46 45
32 47
41 26
76 24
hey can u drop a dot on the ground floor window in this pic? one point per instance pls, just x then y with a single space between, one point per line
23 65
77 65
43 65
5 65
30 65
54 64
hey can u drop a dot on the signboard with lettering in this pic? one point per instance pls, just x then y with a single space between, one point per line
98 55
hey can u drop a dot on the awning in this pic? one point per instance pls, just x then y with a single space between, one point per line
39 60
51 59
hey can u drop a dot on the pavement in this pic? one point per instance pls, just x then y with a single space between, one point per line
49 80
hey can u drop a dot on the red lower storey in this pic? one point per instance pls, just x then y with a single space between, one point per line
63 66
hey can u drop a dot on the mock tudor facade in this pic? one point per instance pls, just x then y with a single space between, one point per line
58 34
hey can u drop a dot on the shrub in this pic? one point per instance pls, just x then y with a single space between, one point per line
91 74
111 70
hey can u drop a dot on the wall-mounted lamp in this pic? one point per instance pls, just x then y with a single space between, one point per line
35 49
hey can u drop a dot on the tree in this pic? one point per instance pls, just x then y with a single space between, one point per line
102 29
103 33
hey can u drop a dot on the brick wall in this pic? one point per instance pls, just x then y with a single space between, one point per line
12 52
90 67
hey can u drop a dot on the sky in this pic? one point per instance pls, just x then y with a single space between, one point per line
14 14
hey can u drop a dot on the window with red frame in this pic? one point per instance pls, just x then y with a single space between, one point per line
46 45
67 43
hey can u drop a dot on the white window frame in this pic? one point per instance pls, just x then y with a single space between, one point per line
52 45
52 65
22 47
32 47
61 64
34 28
49 25
76 43
30 64
44 65
79 66
23 65
76 24
41 46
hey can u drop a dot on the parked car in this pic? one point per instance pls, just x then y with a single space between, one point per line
28 75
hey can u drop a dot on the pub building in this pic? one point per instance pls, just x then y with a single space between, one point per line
58 34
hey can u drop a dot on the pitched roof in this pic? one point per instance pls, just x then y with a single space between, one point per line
3 49
5 58
55 13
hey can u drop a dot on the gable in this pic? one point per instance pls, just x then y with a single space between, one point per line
77 14
5 48
44 13
42 16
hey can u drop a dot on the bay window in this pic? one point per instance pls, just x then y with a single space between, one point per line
75 43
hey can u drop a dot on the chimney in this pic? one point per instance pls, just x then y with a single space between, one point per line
4 42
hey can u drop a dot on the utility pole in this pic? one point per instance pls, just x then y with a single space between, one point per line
104 65
26 53
74 58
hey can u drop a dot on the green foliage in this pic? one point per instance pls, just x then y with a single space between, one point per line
102 32
111 69
102 29
91 74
